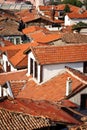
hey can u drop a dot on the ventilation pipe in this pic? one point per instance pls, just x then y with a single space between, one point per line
68 86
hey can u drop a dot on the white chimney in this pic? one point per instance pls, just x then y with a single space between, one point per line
68 86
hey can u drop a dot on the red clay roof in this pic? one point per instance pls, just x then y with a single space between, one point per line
30 17
18 120
54 89
49 38
19 75
77 15
67 103
32 29
17 80
60 54
39 108
59 7
16 54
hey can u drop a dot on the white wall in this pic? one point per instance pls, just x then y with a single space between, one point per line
50 71
68 21
14 39
30 55
6 91
77 98
38 3
4 57
49 27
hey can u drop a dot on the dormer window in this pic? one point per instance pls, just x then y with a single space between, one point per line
36 70
31 66
8 67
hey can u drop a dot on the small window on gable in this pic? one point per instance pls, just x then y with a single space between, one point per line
31 66
36 70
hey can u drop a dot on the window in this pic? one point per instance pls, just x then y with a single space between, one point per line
85 67
36 70
11 40
31 66
84 101
8 68
17 40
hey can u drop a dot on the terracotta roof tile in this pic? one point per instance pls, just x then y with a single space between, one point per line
16 87
15 120
16 54
30 17
26 12
59 7
59 54
32 29
51 20
52 90
40 109
5 43
67 103
13 76
77 15
79 74
36 35
74 38
9 26
49 37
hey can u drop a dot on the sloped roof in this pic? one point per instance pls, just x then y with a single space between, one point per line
19 75
16 79
15 54
78 15
32 29
74 38
16 120
49 38
55 88
10 26
59 7
40 109
5 43
60 54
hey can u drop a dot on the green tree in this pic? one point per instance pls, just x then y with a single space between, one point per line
85 3
67 8
79 25
73 2
53 2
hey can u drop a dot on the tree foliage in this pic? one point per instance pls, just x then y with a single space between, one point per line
53 2
73 2
67 8
85 3
79 25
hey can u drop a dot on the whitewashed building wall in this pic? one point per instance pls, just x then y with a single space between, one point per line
4 57
68 21
52 70
77 97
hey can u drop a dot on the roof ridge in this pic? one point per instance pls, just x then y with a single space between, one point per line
18 71
70 71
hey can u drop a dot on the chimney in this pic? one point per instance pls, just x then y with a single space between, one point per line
68 86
